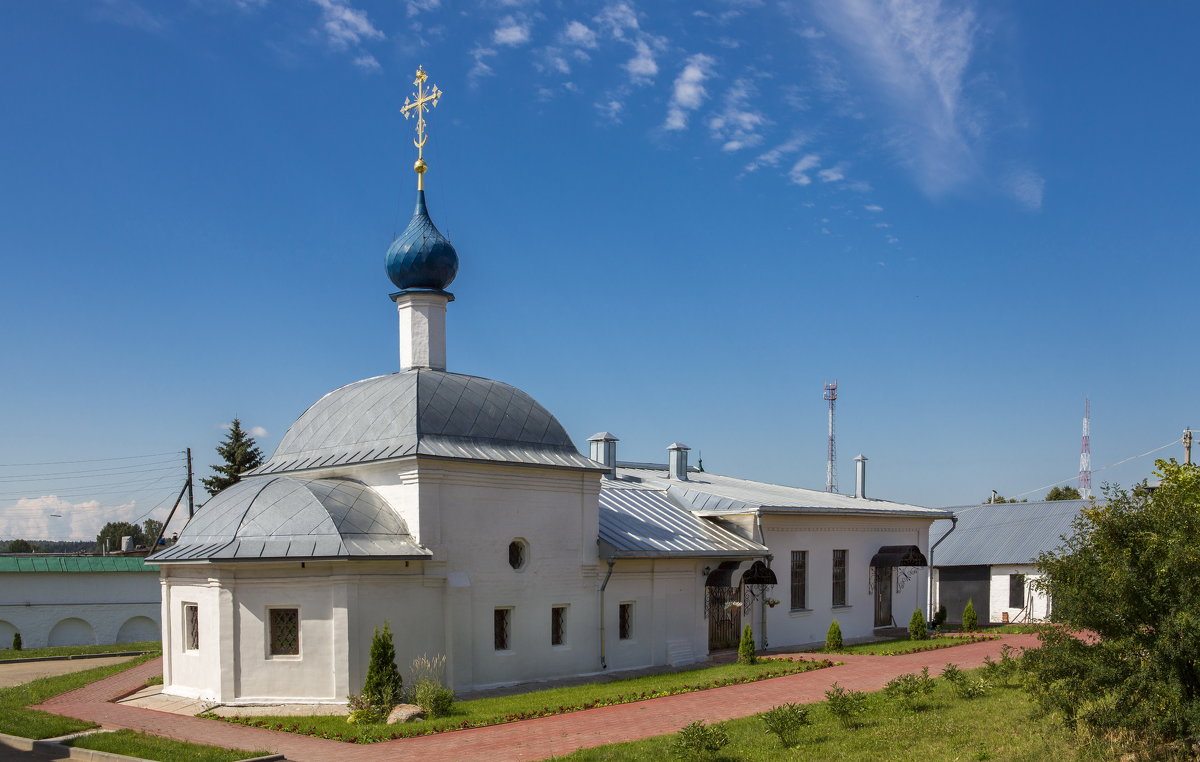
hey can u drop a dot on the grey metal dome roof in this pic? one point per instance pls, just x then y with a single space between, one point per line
281 517
425 412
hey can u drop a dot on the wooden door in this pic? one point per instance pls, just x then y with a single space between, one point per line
883 596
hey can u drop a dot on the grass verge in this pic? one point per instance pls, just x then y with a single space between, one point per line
997 726
114 648
906 646
144 746
495 711
16 720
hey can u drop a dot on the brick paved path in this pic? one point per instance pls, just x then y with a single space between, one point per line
530 739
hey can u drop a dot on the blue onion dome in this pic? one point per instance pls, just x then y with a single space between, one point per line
421 257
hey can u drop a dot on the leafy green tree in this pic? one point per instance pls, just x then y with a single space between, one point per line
151 529
917 630
110 536
1063 493
1127 576
17 645
22 546
1003 499
239 453
833 638
970 619
746 647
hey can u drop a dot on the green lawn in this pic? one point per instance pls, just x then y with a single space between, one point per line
906 646
37 653
492 711
997 726
143 746
16 720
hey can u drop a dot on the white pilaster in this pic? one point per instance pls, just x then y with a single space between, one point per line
422 328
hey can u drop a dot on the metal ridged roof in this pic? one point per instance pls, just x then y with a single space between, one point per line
75 564
1003 533
425 412
645 523
708 492
281 517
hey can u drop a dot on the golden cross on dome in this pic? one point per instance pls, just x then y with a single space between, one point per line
424 100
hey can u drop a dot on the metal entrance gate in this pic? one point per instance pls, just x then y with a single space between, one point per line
724 606
883 596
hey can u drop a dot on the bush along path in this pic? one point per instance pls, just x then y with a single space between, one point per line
534 739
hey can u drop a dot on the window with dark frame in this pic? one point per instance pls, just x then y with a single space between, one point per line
285 632
191 627
1016 591
516 554
839 577
558 625
500 626
799 579
625 621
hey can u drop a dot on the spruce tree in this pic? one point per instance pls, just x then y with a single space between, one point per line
384 686
970 618
16 644
746 647
917 630
240 454
833 638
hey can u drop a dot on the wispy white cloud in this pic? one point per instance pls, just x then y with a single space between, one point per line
367 61
610 108
619 19
345 26
511 32
417 7
833 174
1027 187
773 157
799 173
689 90
738 125
131 14
642 67
481 67
258 431
578 33
51 517
873 208
915 54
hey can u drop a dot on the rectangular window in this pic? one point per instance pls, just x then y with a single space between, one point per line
191 627
839 577
500 627
625 621
1016 591
799 579
285 632
558 625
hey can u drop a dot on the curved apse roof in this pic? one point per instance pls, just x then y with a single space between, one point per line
425 412
280 517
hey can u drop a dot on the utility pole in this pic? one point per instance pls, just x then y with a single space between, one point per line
191 488
831 447
1187 446
1085 452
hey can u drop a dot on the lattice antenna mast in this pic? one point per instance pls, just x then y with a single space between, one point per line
831 454
1085 452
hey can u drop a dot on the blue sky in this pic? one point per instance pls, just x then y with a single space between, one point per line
675 221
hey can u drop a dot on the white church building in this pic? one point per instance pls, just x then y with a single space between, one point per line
457 509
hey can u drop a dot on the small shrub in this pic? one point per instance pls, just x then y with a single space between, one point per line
16 644
364 711
746 647
909 689
952 674
833 638
785 721
846 705
429 685
698 740
916 626
970 618
939 617
1002 671
970 688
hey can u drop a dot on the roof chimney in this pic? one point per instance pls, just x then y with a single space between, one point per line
678 463
604 451
860 476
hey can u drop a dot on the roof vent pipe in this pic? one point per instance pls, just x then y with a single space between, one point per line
604 451
678 463
860 476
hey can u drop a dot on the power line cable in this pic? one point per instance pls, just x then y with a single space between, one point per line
118 474
91 460
1172 443
110 469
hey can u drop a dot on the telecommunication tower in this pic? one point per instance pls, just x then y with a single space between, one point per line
1085 452
831 455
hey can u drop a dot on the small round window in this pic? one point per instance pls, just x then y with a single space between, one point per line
517 552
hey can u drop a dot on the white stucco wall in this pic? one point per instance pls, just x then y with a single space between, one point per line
820 536
38 605
1037 604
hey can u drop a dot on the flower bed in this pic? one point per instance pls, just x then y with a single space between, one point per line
775 667
901 647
